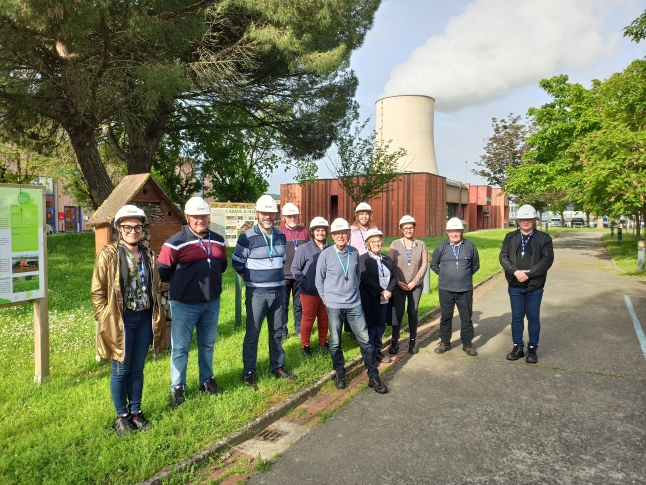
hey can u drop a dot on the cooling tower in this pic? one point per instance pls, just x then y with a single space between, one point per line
408 122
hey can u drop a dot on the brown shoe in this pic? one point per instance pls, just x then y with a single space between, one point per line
281 374
470 350
442 347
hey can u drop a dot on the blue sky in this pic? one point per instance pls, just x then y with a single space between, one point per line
484 58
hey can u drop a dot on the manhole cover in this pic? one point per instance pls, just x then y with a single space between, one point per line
269 434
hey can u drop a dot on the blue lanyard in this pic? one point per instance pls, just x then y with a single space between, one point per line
409 254
381 266
289 231
344 268
270 243
457 255
362 238
208 253
524 243
142 272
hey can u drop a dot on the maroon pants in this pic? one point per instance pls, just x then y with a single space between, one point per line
313 308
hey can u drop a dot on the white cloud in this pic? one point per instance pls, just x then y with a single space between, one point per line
495 46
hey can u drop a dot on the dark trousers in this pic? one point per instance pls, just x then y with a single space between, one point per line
376 332
127 379
400 297
464 301
292 288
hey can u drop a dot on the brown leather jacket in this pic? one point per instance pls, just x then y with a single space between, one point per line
107 300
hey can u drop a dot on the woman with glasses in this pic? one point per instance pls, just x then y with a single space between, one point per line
410 257
127 308
378 280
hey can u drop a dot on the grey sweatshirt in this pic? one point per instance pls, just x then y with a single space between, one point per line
457 278
333 288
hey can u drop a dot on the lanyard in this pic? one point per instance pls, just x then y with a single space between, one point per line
208 253
270 243
381 265
457 255
344 268
289 231
362 238
524 243
409 254
142 272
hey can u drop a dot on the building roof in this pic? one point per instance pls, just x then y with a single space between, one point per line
125 193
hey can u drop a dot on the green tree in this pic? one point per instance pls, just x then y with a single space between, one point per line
364 166
124 72
505 148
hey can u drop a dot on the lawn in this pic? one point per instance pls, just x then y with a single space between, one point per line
624 255
60 432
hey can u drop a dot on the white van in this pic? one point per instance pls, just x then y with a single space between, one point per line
556 221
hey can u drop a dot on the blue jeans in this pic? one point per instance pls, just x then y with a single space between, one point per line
127 380
203 317
525 303
357 323
261 305
376 333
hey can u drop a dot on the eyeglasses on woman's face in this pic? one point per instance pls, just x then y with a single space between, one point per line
128 229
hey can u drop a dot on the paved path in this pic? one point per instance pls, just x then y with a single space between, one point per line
578 416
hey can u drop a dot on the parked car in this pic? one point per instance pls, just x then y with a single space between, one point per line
578 222
512 223
556 221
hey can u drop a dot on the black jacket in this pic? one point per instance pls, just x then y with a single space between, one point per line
542 257
370 289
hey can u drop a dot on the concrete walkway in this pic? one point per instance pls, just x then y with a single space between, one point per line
578 416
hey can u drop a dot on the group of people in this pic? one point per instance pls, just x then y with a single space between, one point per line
349 282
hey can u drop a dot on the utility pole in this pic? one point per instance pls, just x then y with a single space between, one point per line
466 172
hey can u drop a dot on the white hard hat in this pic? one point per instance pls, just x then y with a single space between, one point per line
363 206
318 222
197 206
129 211
454 224
290 209
407 220
339 224
266 203
526 212
373 232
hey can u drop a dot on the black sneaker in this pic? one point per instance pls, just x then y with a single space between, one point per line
281 374
249 379
139 422
377 385
531 358
210 387
394 347
442 347
516 353
122 425
326 346
470 350
339 382
177 397
306 351
413 348
384 359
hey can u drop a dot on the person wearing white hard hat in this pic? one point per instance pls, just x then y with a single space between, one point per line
258 258
378 280
455 260
337 281
296 236
362 222
193 260
304 271
127 307
410 258
526 255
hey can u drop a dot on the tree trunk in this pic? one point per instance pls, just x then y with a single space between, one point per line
89 159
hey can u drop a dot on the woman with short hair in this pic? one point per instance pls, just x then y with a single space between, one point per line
127 308
378 281
410 258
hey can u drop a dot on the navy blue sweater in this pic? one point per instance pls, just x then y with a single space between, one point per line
251 259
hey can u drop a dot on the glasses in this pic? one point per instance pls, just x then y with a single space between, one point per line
339 234
128 229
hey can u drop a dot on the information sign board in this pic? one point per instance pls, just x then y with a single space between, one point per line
228 218
22 261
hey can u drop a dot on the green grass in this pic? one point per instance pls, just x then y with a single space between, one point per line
60 432
624 255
